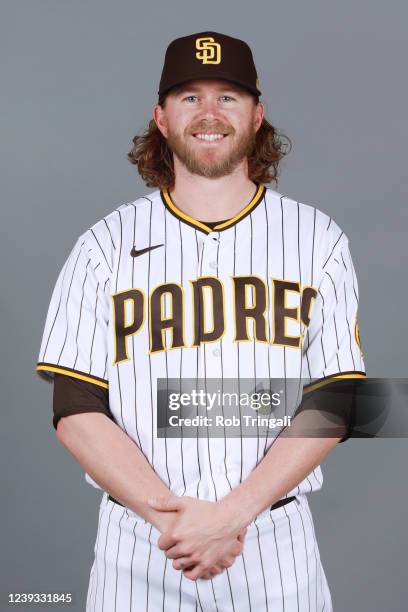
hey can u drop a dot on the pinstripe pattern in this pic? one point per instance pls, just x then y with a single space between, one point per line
279 570
279 238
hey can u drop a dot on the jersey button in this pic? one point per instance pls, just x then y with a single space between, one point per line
213 264
216 352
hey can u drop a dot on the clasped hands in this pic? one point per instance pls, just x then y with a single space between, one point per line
200 536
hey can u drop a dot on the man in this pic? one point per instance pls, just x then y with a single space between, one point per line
212 276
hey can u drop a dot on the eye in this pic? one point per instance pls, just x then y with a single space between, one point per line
229 97
189 97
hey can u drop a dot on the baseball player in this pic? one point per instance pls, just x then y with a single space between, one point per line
213 275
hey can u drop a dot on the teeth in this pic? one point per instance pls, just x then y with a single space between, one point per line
210 137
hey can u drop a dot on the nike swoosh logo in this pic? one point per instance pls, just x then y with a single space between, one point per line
135 253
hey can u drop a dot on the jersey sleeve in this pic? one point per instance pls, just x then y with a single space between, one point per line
332 348
74 340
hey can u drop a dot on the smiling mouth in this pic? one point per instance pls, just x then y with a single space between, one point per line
215 137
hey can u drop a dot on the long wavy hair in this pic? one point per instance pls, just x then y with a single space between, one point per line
154 158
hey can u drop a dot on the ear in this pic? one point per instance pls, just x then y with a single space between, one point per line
259 114
159 116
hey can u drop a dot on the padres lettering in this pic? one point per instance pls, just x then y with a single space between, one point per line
208 298
209 51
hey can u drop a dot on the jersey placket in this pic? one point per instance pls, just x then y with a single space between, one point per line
211 447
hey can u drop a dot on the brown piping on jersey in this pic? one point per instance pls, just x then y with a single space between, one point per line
219 225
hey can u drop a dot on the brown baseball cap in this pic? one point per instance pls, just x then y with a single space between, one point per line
208 55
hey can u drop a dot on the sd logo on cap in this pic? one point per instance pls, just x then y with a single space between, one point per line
209 55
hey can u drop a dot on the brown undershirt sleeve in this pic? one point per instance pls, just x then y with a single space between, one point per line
73 396
336 402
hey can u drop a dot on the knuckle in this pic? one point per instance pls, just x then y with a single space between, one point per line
187 572
196 575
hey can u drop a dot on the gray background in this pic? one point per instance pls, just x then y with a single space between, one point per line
78 80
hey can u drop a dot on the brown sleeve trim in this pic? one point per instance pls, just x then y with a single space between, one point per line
344 385
75 396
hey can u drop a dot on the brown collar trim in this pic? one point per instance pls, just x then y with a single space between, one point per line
171 207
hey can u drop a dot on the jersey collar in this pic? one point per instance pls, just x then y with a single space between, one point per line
171 207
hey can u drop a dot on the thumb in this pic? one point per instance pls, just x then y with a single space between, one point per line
165 503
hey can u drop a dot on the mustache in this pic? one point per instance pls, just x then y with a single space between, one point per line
210 129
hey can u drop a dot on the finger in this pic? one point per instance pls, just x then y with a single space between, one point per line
234 549
182 563
237 549
166 541
164 504
176 551
242 534
195 573
227 562
209 576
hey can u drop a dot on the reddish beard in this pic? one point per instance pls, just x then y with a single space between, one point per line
211 163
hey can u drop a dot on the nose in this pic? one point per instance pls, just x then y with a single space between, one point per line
209 108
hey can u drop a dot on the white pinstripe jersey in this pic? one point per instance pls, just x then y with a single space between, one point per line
122 321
